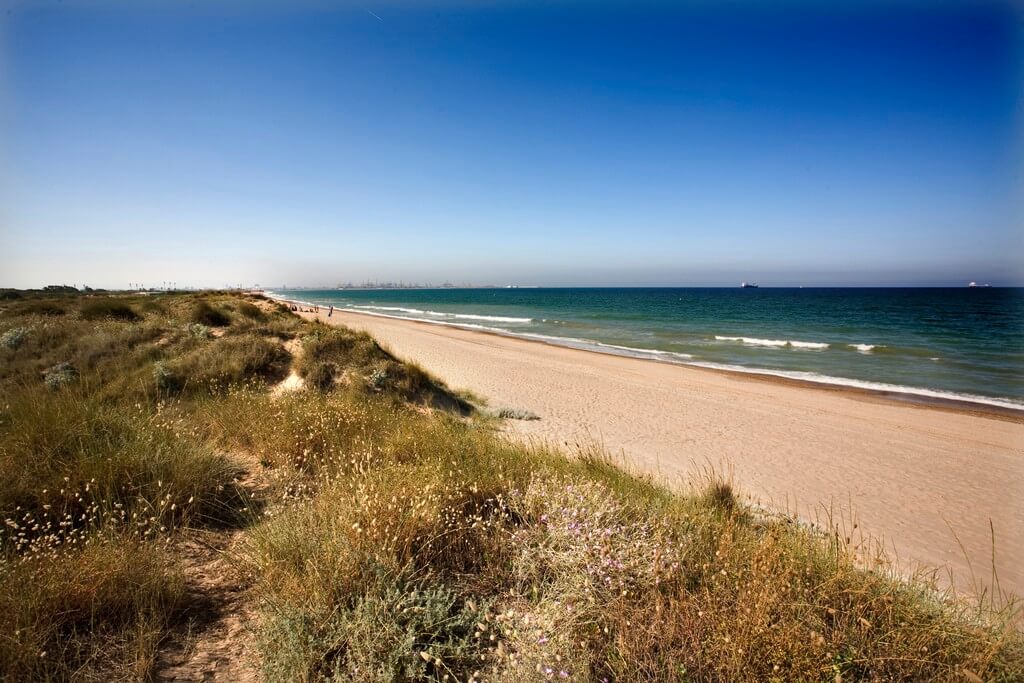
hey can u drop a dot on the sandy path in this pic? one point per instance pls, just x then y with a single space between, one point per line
907 474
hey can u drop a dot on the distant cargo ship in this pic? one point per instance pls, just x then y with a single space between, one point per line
749 285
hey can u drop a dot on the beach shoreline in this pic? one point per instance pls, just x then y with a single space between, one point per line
908 396
922 481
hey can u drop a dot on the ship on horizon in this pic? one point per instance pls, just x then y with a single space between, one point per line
749 285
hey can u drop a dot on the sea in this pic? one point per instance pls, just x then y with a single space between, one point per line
962 344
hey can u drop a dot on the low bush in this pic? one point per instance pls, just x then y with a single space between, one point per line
199 331
517 414
340 346
60 375
322 376
164 378
98 309
228 361
399 630
13 338
251 311
205 314
332 351
42 308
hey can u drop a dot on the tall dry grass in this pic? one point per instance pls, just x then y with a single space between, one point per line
95 613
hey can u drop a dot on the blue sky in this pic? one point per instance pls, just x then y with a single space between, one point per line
549 143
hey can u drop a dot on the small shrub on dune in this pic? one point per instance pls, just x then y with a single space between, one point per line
231 360
338 345
719 495
205 314
199 331
517 414
399 630
151 305
321 376
366 567
13 338
164 378
59 375
283 327
98 309
377 369
49 308
312 432
251 311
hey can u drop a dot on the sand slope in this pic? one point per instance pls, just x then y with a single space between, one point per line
907 473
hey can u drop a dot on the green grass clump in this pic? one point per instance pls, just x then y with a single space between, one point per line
347 348
251 311
228 361
73 463
43 307
517 414
205 314
330 354
98 309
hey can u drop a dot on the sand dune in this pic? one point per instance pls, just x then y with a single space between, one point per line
925 480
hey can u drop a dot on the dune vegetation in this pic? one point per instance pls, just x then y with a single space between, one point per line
164 478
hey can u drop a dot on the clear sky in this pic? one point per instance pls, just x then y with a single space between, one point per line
559 143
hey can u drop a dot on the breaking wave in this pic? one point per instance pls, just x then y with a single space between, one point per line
442 314
777 343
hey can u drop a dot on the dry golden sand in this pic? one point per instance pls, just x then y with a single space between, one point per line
926 480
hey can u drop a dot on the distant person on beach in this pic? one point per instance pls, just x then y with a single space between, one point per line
330 311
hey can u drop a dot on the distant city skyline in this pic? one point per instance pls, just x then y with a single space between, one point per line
551 144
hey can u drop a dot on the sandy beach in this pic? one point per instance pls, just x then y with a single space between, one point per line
925 480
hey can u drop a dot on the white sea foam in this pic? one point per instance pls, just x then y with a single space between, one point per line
493 318
754 342
864 348
399 309
777 343
808 345
1008 403
634 350
442 314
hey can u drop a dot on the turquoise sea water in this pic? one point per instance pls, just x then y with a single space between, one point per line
947 343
